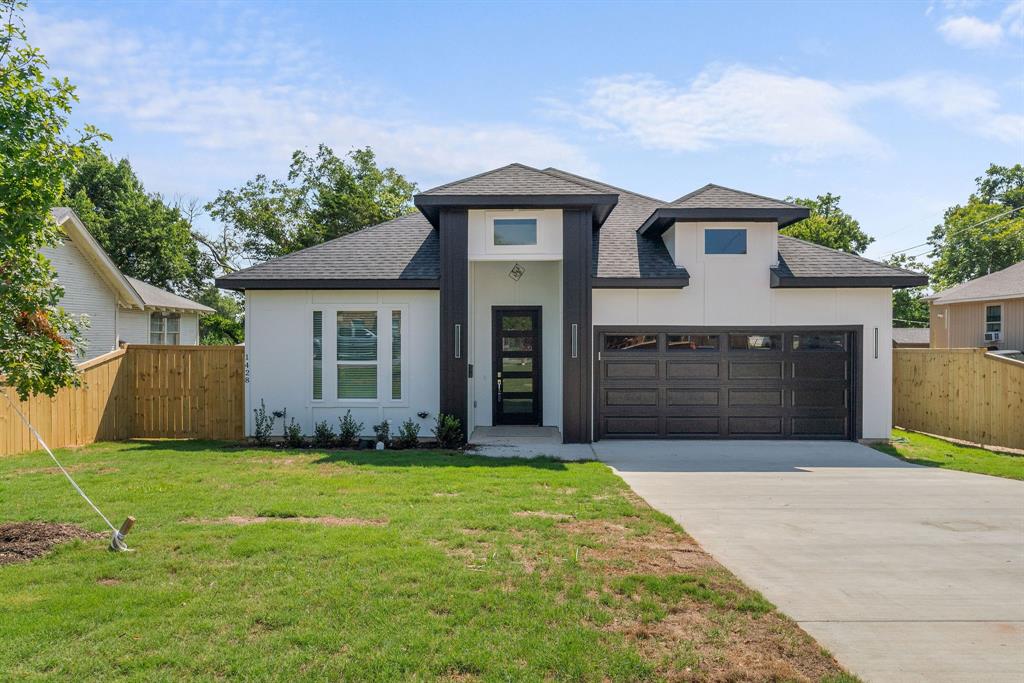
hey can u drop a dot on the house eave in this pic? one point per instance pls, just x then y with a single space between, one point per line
847 282
639 282
662 219
242 284
430 205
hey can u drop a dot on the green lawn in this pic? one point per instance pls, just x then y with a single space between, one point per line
928 450
435 566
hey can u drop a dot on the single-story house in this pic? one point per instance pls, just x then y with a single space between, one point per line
987 311
538 297
911 337
120 309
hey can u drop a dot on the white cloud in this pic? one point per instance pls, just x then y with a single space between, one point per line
974 33
971 32
802 117
240 90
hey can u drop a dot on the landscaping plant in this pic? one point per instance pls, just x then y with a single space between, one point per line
408 435
448 431
349 430
293 435
323 435
382 432
263 425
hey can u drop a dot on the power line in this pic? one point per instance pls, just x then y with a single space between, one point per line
969 227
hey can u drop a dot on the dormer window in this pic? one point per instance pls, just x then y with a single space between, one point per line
725 241
515 232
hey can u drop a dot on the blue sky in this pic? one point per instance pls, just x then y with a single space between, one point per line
895 106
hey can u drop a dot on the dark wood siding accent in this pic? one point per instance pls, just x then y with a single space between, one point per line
747 393
577 303
454 299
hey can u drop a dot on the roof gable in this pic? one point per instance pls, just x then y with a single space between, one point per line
76 231
713 196
1007 283
514 179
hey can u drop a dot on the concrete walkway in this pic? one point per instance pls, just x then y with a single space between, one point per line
904 573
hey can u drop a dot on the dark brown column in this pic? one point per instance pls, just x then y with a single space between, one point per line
577 325
454 235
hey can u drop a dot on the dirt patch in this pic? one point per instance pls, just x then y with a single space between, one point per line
719 632
79 467
239 520
109 581
23 541
542 514
621 551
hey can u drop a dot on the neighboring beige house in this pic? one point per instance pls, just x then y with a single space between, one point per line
986 312
120 309
911 337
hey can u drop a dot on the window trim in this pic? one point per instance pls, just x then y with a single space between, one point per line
329 350
492 249
494 231
998 323
719 228
163 317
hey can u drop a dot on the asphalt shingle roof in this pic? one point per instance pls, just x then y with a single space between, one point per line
911 335
713 196
1002 284
514 179
408 248
800 259
405 248
618 250
152 295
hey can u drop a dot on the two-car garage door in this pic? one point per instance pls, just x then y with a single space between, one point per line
700 383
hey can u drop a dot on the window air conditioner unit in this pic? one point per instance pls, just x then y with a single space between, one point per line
993 336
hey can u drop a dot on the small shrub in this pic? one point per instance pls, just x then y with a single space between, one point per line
349 430
323 435
263 425
382 432
408 435
448 431
293 435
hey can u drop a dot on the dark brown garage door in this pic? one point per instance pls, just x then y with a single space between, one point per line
764 384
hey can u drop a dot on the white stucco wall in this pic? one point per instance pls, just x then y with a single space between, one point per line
278 341
720 305
85 292
133 327
540 285
549 236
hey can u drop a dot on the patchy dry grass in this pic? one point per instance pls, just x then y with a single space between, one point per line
306 565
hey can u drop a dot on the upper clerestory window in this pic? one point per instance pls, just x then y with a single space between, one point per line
725 241
515 232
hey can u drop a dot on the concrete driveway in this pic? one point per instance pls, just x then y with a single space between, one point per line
904 573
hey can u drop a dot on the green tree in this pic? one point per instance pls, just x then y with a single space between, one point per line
829 226
984 235
909 309
38 339
324 197
227 325
147 238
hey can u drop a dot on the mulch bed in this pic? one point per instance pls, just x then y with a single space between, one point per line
24 541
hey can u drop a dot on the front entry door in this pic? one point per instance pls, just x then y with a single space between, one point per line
516 365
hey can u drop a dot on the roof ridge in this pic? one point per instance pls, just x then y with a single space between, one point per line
846 253
732 189
574 177
514 164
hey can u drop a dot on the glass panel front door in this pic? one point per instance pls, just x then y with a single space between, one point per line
516 366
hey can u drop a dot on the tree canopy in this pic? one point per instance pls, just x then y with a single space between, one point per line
324 196
828 225
38 339
147 238
984 235
909 309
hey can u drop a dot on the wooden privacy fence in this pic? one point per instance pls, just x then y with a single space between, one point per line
192 392
960 393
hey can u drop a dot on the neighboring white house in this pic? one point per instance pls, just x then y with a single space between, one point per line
120 309
538 297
